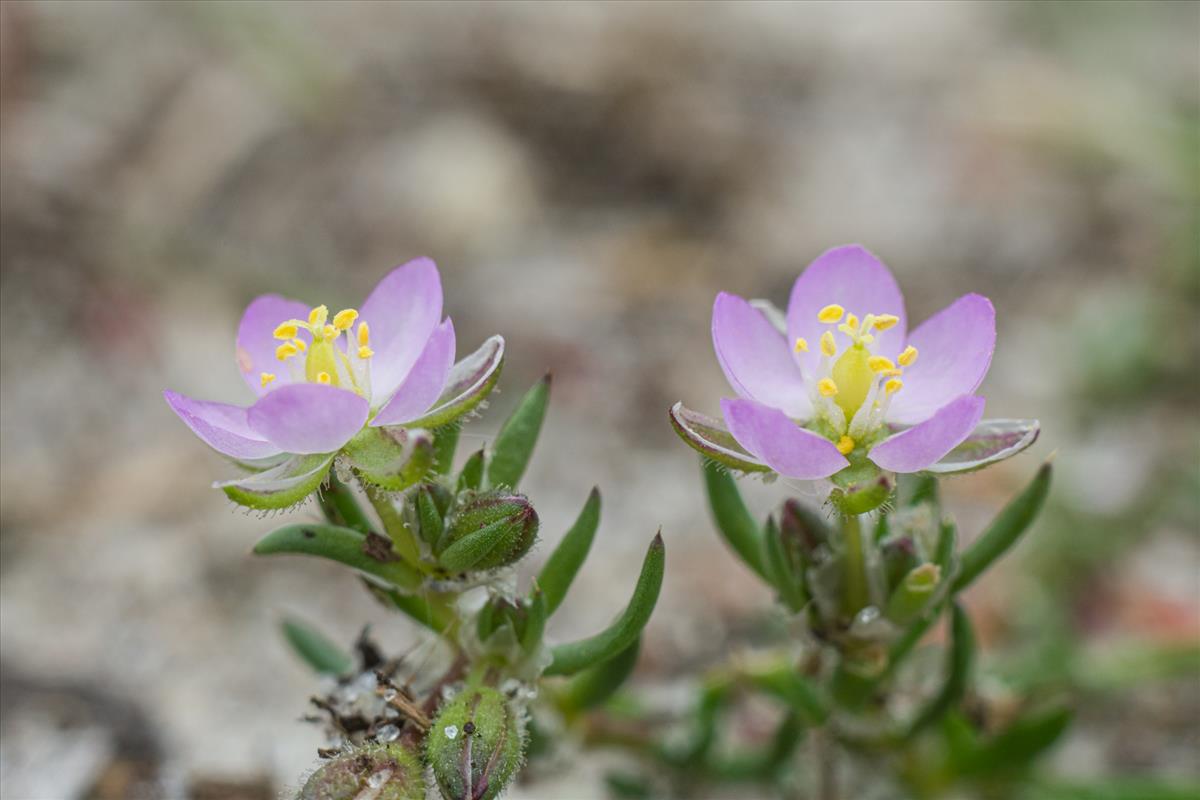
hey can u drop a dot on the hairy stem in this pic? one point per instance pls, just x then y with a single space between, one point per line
403 541
857 596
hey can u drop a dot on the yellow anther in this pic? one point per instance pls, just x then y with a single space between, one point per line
299 345
845 445
329 332
801 345
344 319
894 385
266 378
830 313
323 377
286 330
880 364
365 352
827 387
907 358
285 351
317 316
852 321
364 334
828 345
885 321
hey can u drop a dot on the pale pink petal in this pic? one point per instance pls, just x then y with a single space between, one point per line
401 312
918 447
954 351
855 279
222 427
425 381
308 417
756 358
787 448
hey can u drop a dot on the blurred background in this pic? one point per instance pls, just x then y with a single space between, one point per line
587 176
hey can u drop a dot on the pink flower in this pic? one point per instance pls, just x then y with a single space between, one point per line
841 380
321 378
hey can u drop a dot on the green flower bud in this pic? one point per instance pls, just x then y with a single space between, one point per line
430 504
861 497
490 531
899 555
913 594
391 771
475 745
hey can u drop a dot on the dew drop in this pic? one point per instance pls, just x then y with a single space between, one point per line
388 733
451 731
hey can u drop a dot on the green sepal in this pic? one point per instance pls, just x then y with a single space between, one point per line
575 656
282 486
469 383
340 506
392 459
592 686
535 620
563 564
959 657
430 524
862 488
514 443
471 476
315 649
732 518
708 437
445 443
1012 521
344 545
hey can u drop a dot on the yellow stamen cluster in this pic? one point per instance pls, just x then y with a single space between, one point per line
323 377
325 362
845 445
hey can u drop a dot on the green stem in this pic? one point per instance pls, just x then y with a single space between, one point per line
403 541
857 596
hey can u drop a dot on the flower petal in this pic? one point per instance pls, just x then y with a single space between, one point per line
918 447
993 440
708 437
755 358
787 448
954 351
223 427
852 277
469 382
308 417
424 382
401 311
256 340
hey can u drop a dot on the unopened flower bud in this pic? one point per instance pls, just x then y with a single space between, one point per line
382 772
475 745
899 555
430 504
913 594
490 531
863 496
803 528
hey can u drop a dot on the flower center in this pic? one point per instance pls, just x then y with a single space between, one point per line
851 391
326 360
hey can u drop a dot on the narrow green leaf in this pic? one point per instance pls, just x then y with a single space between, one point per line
535 621
514 443
571 658
794 689
959 657
445 443
434 611
471 476
781 572
564 563
315 649
1019 744
594 685
732 518
429 519
343 545
341 507
1012 521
